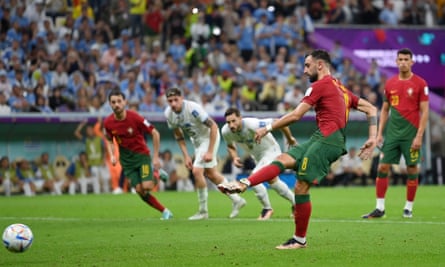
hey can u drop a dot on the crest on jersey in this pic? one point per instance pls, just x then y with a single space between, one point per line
410 91
130 131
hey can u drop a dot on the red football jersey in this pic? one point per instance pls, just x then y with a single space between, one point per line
405 96
129 132
332 102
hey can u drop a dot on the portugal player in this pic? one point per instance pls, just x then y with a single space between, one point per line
332 102
128 128
406 96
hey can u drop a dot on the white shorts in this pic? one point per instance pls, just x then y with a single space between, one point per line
202 149
270 155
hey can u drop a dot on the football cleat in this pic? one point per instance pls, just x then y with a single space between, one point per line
374 214
199 216
265 214
234 187
166 215
292 244
407 213
237 205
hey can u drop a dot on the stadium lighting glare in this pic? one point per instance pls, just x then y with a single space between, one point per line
195 10
271 8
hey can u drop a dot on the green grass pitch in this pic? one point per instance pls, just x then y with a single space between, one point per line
120 230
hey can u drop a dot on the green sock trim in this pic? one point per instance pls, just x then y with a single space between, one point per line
382 174
279 164
413 176
300 199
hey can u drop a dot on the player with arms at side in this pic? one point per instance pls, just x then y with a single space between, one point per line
406 99
128 128
241 131
312 159
187 117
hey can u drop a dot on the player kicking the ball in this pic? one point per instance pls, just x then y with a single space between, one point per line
332 102
128 128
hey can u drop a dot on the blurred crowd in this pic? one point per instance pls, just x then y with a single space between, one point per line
63 56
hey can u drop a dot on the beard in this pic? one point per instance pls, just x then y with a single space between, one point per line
313 77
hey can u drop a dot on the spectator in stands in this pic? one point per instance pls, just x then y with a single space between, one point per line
58 102
244 35
17 100
369 14
149 103
41 105
59 76
373 75
5 84
292 98
388 16
153 20
136 10
177 50
5 109
271 93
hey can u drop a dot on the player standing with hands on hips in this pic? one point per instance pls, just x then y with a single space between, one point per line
312 159
129 128
187 117
406 97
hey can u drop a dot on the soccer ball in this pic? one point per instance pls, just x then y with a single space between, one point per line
17 237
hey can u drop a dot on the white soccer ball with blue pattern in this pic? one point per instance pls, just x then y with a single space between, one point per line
17 237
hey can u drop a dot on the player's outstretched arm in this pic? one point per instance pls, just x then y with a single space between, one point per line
285 120
368 147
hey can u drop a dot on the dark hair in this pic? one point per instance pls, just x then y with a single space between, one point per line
173 91
405 51
115 92
321 54
231 111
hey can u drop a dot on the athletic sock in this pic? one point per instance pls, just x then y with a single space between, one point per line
283 190
381 186
261 193
266 173
202 198
302 213
411 189
152 201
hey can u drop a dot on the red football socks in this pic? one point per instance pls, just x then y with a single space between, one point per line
152 201
302 213
411 188
381 186
264 174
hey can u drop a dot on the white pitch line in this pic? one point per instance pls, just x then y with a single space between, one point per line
281 220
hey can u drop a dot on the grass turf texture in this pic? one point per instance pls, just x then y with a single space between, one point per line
120 230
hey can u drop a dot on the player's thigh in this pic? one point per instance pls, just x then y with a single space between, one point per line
412 157
317 160
297 153
199 155
391 152
141 172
